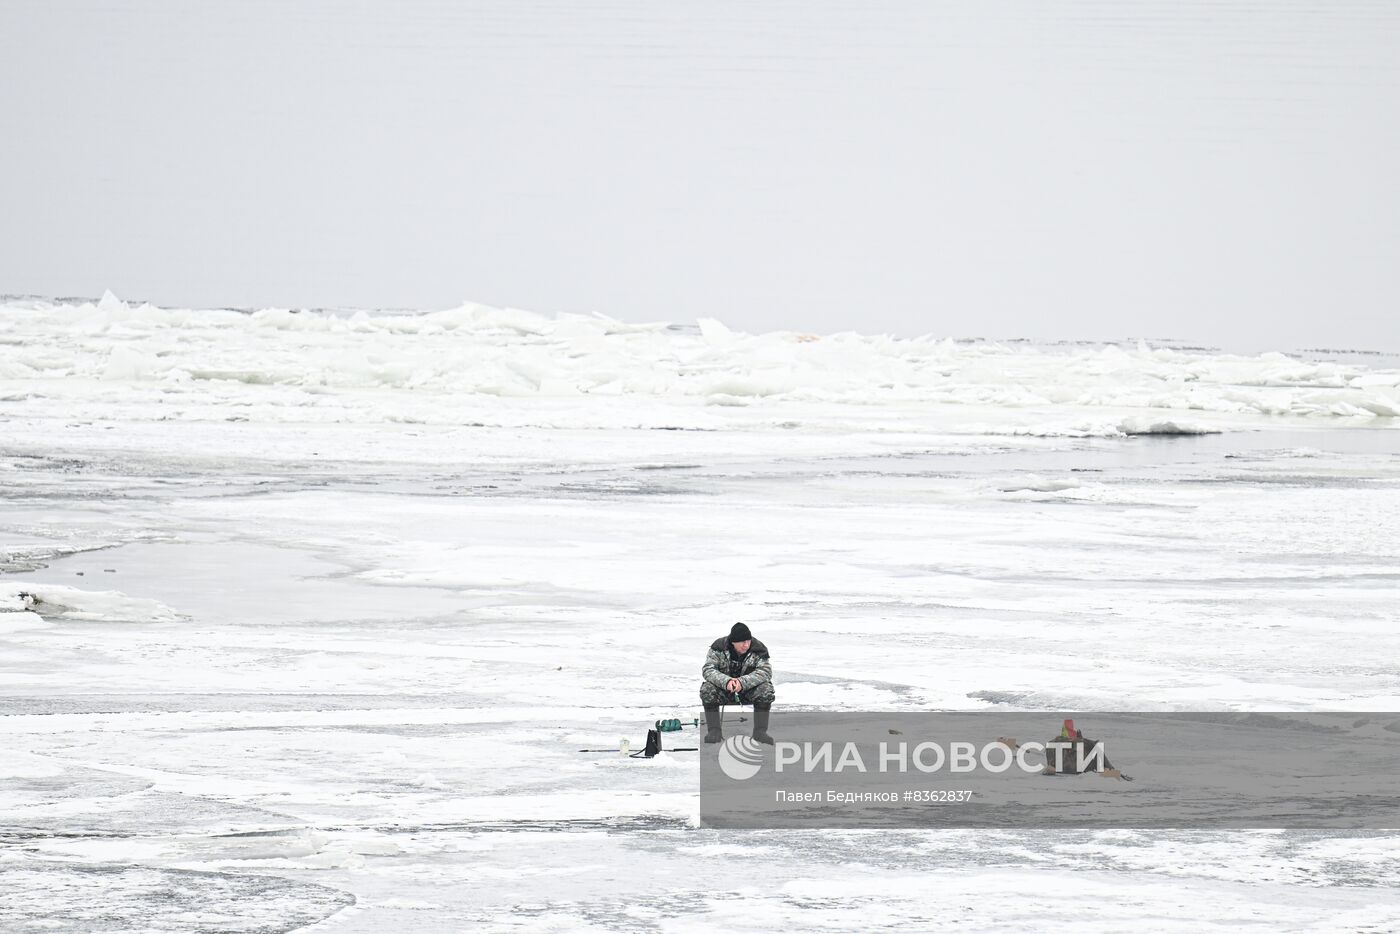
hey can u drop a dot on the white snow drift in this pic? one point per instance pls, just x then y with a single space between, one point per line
285 365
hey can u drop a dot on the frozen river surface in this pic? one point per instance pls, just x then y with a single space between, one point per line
319 652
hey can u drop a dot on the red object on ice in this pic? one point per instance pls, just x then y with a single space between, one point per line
1069 728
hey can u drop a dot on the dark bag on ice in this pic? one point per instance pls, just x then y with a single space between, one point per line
653 744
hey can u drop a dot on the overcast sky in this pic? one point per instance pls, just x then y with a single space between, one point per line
1215 171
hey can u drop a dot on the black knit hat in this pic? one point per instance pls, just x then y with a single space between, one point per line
740 633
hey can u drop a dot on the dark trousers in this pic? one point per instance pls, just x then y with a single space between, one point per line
760 695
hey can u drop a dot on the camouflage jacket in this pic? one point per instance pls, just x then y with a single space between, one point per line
721 664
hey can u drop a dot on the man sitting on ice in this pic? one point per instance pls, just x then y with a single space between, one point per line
1065 753
737 671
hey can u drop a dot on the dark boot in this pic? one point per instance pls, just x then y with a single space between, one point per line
760 725
712 728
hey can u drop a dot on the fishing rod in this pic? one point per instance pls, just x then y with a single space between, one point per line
653 745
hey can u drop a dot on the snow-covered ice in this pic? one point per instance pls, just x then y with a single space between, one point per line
305 615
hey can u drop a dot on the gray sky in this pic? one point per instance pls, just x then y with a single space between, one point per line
1221 172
